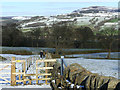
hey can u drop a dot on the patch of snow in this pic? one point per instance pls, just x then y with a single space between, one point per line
77 86
67 81
72 85
103 67
25 86
110 24
53 81
21 18
60 87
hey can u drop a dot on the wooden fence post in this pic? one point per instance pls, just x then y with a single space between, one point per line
32 60
22 70
24 73
45 72
27 63
19 75
36 72
13 76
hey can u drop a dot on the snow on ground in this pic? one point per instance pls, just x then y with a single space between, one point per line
17 56
96 55
25 86
21 18
103 67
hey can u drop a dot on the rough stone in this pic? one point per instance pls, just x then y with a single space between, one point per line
75 69
113 83
78 75
58 82
80 78
93 80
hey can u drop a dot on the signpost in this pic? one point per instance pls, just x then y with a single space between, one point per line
62 58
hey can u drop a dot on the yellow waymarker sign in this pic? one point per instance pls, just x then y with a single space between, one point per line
17 60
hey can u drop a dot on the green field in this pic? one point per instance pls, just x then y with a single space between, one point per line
26 30
114 20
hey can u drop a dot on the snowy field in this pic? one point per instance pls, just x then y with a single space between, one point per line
25 86
96 55
31 70
103 67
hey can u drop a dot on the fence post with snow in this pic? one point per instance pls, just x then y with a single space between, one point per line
62 57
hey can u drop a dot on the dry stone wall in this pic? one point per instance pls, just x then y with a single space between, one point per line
78 78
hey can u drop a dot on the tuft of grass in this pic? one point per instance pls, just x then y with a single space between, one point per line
42 71
21 52
114 20
2 58
55 56
25 30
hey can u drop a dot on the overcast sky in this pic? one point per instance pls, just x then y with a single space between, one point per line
59 0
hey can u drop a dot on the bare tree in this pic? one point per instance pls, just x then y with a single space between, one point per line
62 36
82 35
36 33
108 36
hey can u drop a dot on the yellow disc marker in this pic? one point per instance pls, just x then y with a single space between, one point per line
17 60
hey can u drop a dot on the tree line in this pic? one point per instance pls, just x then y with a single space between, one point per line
61 35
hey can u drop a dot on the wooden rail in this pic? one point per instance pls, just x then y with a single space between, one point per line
5 79
4 82
45 67
13 76
46 74
4 68
47 60
5 73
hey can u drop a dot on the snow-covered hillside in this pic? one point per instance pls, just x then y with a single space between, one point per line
20 18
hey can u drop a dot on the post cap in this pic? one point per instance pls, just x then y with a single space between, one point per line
62 56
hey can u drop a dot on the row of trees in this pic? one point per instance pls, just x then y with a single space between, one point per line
64 35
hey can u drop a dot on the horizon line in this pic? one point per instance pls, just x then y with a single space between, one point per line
58 1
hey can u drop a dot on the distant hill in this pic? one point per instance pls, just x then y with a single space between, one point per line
85 16
6 20
96 9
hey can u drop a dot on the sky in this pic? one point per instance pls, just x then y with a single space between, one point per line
59 0
48 7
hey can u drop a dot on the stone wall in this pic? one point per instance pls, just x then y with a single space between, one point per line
77 77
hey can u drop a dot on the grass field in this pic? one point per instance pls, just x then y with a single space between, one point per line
26 30
80 52
114 20
23 52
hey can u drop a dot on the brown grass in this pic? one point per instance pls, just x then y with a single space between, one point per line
80 52
23 52
2 58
